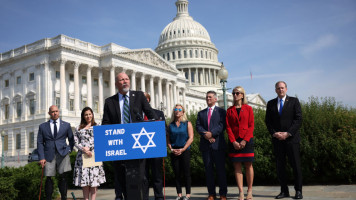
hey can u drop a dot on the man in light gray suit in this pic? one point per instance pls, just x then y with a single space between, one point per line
53 151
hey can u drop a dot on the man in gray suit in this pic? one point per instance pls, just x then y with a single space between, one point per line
53 151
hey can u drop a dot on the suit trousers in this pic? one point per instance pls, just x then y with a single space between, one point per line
210 158
155 165
282 149
120 180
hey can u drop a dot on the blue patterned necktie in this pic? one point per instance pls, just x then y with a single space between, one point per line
55 129
126 109
280 106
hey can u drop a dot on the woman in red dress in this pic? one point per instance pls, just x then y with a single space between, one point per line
239 127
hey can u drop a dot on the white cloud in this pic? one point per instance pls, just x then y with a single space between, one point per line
321 43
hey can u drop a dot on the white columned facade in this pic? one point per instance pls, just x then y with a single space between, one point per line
38 86
46 80
133 80
196 77
183 92
168 101
189 76
218 80
100 86
215 77
12 103
152 92
171 99
24 97
159 90
63 98
143 86
76 87
174 93
112 80
204 77
89 87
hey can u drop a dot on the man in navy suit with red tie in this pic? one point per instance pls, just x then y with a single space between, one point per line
53 151
210 125
283 120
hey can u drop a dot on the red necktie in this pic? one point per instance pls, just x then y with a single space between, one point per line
145 118
209 117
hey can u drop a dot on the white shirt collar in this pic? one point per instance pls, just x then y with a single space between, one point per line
284 98
212 107
121 95
57 120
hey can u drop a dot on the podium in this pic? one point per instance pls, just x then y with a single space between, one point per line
131 143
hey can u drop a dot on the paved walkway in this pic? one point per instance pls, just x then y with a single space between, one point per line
318 192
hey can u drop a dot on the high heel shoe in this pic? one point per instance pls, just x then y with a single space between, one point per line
241 196
249 195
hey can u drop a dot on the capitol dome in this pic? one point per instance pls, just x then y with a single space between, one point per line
187 44
183 28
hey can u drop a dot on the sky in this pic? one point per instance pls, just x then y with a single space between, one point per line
310 44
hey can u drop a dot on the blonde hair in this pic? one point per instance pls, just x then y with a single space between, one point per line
183 118
242 90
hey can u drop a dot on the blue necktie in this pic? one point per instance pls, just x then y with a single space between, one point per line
126 113
280 107
55 129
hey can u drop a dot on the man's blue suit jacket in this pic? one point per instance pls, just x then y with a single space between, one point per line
217 127
47 144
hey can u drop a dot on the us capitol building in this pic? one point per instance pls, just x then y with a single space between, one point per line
72 74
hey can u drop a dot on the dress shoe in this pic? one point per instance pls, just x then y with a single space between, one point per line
298 195
211 197
222 197
282 195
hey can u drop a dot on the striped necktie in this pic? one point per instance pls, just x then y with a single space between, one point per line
126 109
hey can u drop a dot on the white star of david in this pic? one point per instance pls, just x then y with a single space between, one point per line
150 142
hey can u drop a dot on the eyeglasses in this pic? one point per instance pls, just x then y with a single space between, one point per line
178 109
237 93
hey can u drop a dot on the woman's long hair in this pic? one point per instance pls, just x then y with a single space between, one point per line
242 90
83 122
184 116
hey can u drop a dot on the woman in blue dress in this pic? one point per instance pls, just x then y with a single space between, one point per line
179 138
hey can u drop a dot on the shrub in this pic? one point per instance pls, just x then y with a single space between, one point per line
7 188
22 183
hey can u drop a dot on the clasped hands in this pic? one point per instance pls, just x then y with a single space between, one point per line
87 151
209 136
240 145
281 135
177 152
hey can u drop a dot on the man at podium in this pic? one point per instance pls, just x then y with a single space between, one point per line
126 107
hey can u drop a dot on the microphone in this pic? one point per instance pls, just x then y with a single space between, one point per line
138 115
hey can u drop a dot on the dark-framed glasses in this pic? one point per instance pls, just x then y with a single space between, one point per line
237 93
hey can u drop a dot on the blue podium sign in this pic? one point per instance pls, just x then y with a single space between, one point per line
130 141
